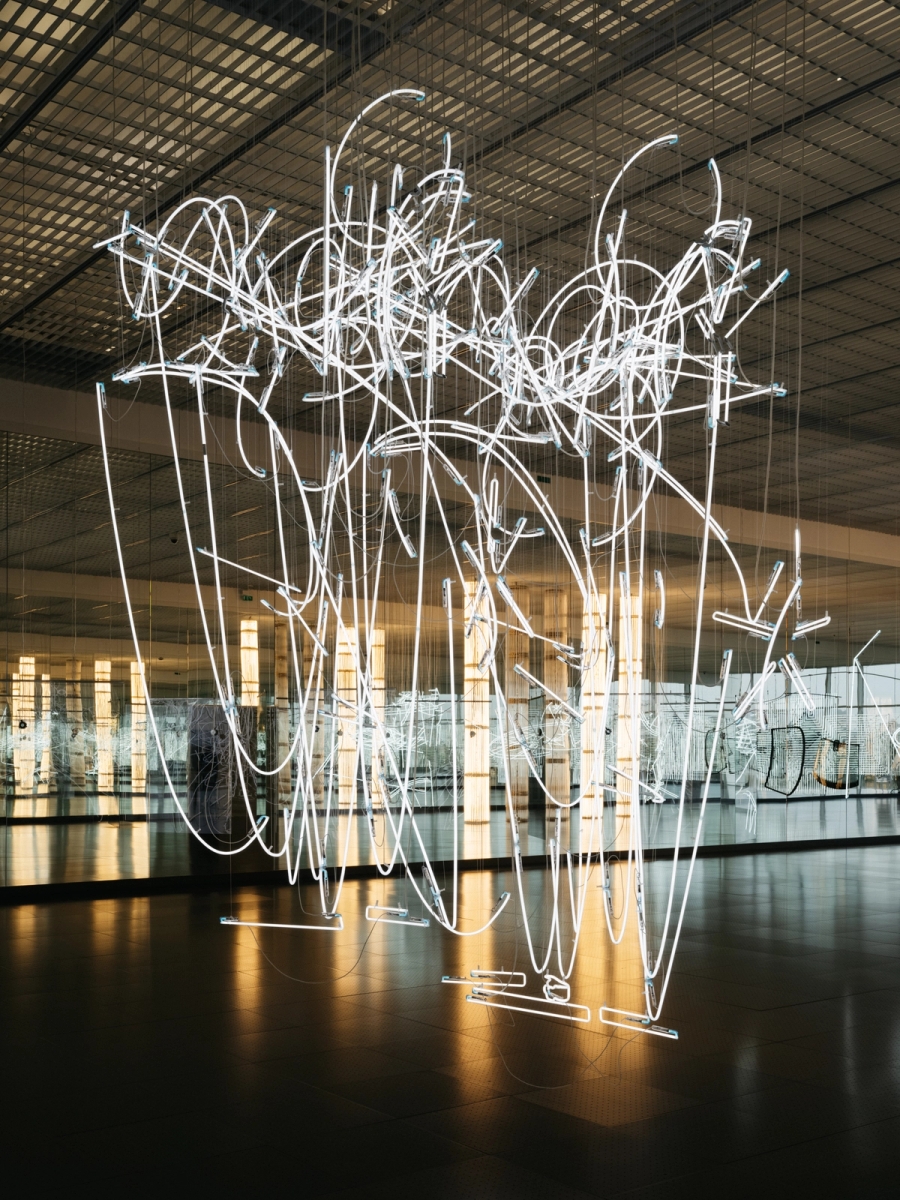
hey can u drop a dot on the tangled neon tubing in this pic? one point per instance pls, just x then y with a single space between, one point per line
390 294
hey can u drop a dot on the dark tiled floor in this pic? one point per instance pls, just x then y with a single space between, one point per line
148 1050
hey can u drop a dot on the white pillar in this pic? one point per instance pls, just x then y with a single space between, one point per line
45 773
23 726
628 732
347 725
250 663
376 678
476 719
517 649
138 740
557 771
593 729
315 722
103 723
75 723
282 714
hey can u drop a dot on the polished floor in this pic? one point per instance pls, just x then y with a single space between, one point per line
149 1050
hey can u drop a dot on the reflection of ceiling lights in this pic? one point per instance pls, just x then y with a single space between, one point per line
392 291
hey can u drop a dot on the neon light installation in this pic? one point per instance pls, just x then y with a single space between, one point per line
391 294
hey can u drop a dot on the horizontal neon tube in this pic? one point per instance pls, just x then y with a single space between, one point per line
336 928
507 978
636 1023
502 980
523 1004
394 916
806 627
756 628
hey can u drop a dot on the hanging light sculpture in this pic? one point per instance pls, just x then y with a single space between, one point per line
388 295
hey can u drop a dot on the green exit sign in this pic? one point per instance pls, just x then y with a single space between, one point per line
246 597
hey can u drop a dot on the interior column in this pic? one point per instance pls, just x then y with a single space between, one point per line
75 721
103 727
593 729
476 716
46 772
376 683
250 663
23 726
347 723
557 772
517 650
282 715
315 722
138 740
628 731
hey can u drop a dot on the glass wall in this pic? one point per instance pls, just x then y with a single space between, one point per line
92 792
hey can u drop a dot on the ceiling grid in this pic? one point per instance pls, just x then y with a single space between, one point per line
799 103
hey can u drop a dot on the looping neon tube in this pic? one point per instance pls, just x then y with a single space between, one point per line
395 291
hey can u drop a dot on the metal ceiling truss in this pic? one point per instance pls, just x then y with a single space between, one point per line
636 52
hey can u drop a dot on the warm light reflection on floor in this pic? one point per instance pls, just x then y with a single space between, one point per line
785 999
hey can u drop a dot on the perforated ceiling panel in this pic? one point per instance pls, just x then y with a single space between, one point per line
135 105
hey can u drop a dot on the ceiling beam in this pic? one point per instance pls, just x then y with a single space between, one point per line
316 22
335 73
48 412
641 50
749 144
91 43
838 280
636 52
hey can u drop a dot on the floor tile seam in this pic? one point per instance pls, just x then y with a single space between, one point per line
531 1088
837 997
491 1057
444 1108
688 1102
771 1082
416 1119
705 1164
551 1180
516 1099
794 1044
379 1114
447 1070
431 1027
362 1193
825 1090
791 1146
311 1018
423 1122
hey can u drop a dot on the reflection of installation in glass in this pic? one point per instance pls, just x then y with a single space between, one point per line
392 295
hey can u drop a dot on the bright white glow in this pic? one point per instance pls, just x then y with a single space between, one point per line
394 916
336 926
103 720
250 663
138 740
23 713
380 304
635 1022
539 1006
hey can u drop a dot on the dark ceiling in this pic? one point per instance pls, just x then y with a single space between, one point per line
137 105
